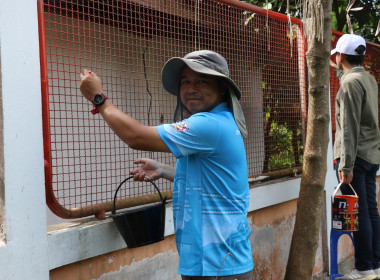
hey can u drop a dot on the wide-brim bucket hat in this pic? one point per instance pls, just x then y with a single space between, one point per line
209 63
205 62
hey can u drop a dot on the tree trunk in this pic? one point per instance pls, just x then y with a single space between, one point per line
310 203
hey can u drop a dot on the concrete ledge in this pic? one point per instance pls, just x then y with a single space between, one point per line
83 239
274 193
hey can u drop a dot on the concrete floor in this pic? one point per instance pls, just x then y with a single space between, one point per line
343 267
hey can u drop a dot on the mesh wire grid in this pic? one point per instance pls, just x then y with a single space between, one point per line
126 43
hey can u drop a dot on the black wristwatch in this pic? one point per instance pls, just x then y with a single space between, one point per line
98 100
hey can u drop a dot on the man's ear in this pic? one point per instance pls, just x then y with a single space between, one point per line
341 57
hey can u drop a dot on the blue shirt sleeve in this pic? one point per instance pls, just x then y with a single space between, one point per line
198 134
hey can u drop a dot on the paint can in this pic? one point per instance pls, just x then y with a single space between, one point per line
344 211
142 225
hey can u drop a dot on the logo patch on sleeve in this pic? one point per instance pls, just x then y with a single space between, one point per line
181 126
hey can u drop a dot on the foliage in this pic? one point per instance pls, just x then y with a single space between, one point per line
282 154
279 6
364 21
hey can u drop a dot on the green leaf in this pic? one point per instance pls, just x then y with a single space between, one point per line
267 6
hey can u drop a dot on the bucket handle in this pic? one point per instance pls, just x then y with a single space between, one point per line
337 188
114 199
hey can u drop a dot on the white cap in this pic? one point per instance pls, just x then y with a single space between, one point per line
348 43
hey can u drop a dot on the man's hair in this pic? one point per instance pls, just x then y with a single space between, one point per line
356 59
222 84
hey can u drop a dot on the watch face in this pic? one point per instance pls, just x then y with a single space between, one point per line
98 99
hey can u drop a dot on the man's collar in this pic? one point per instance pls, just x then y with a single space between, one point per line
220 106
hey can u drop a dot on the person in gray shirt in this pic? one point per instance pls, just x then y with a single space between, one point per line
357 149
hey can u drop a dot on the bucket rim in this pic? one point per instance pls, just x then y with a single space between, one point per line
143 207
345 195
338 187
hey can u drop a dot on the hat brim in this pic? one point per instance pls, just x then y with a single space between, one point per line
332 52
171 75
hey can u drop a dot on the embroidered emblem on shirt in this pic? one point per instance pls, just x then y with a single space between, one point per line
181 126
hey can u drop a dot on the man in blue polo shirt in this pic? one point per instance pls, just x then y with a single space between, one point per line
210 193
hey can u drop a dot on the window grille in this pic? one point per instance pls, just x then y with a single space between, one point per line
126 43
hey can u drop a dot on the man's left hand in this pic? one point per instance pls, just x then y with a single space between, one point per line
345 179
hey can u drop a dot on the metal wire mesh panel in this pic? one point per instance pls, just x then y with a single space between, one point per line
126 43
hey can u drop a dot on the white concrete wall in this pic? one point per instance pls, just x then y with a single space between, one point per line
24 253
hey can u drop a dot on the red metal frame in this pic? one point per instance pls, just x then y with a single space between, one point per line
99 209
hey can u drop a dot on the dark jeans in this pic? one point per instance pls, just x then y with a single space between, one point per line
243 276
367 238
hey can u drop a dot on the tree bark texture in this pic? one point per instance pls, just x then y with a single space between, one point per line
310 203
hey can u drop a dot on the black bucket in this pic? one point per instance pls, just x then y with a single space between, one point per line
142 225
